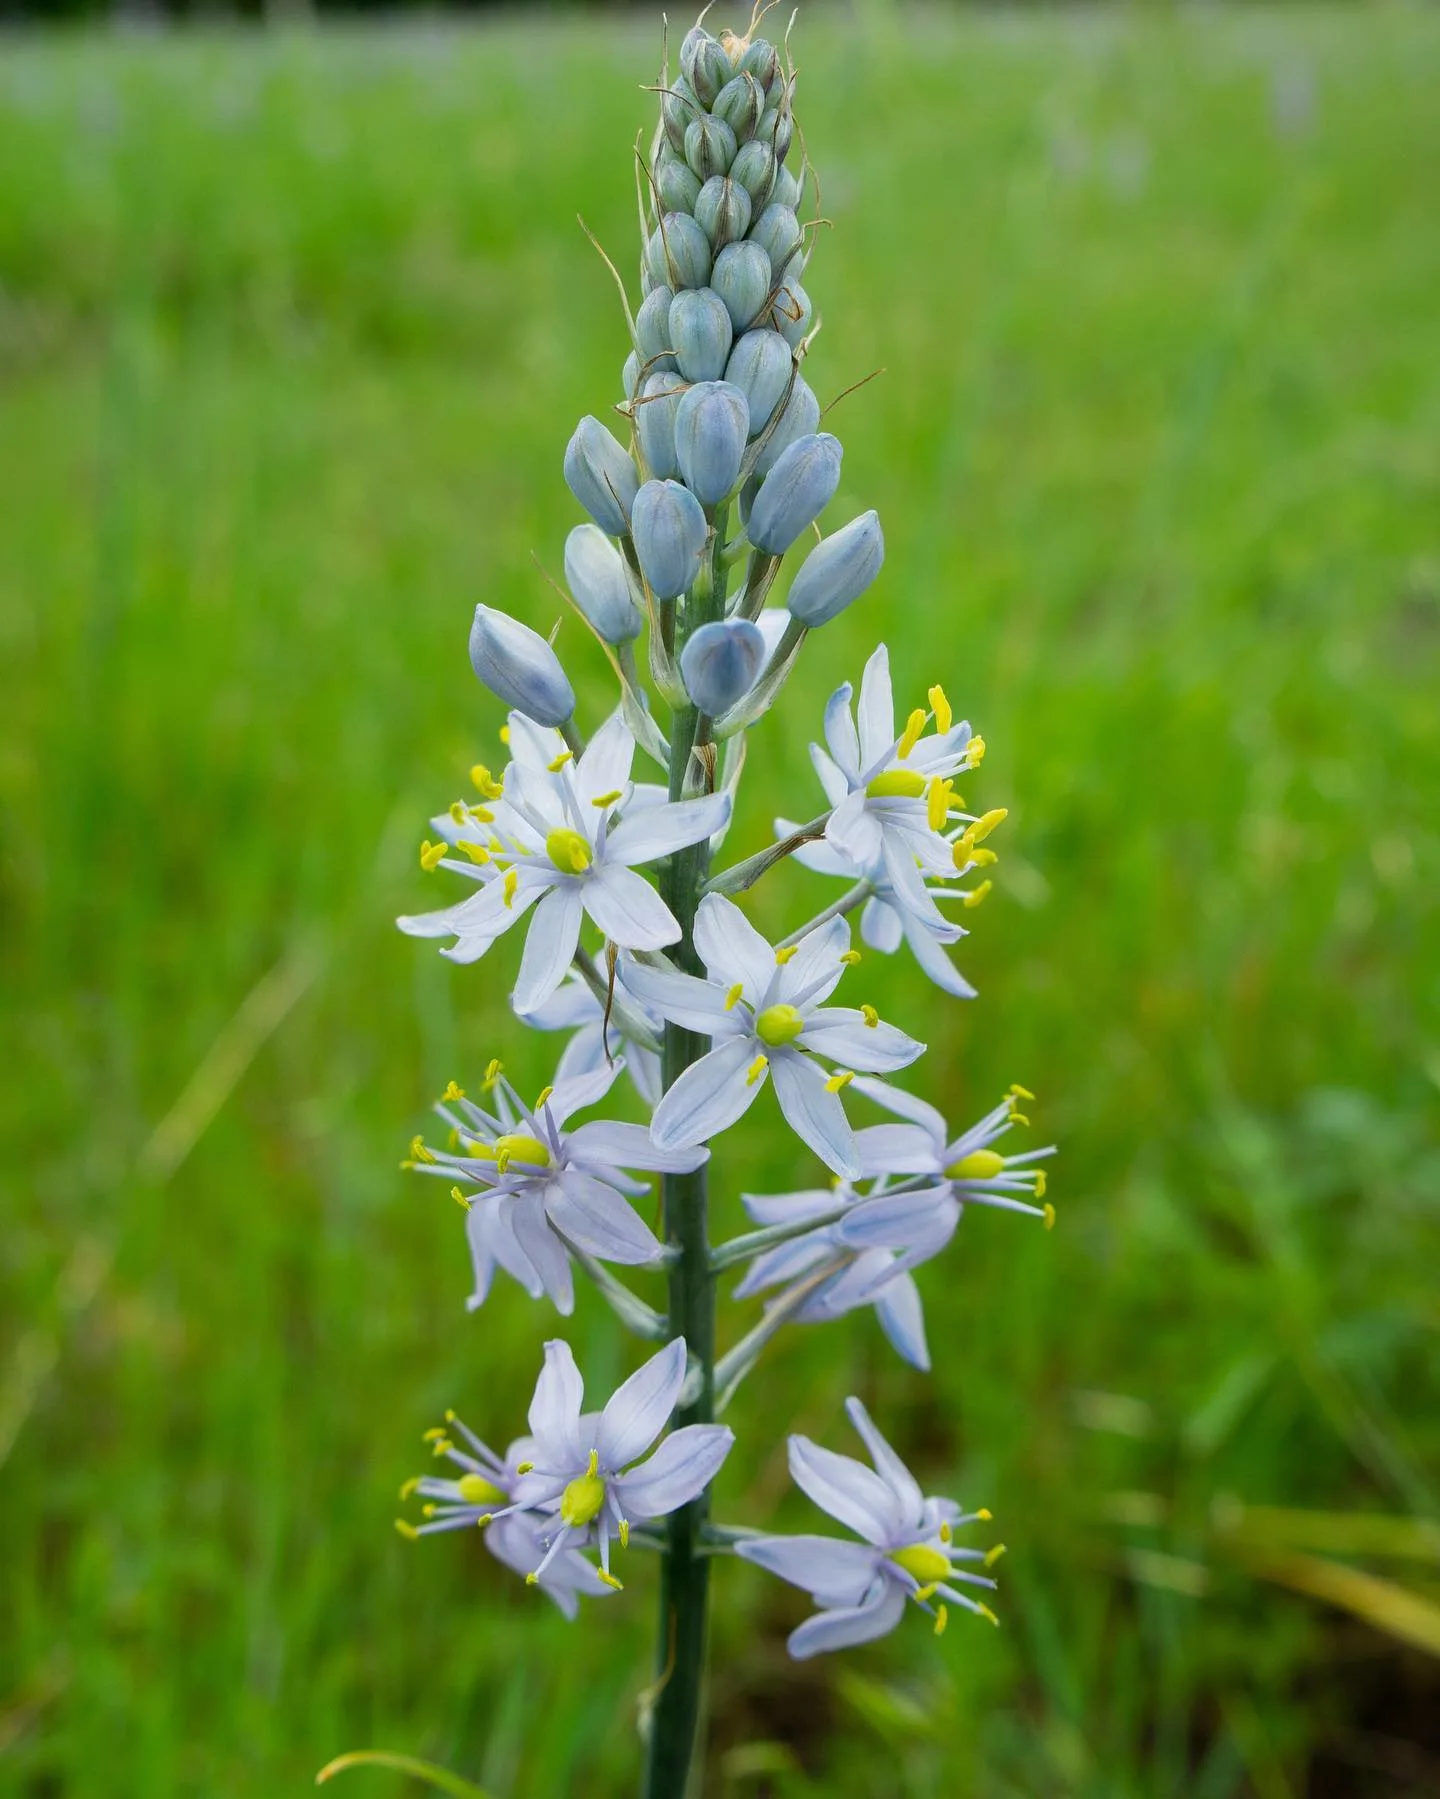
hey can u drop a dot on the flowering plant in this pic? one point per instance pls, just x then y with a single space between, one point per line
720 472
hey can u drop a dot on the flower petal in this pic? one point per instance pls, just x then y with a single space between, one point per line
888 1465
555 1410
853 831
630 1146
840 731
684 998
628 909
731 948
710 1095
549 946
490 1233
682 1467
897 1220
841 1034
604 764
847 1489
640 1407
597 1219
832 1570
907 884
577 1091
546 1254
832 777
877 708
907 1105
930 954
902 1318
812 1112
813 973
881 927
844 1627
656 831
786 1262
794 1208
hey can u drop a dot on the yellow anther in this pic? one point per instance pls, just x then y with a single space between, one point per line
1049 1216
983 858
942 1618
756 1069
985 1612
976 895
975 752
449 1417
427 1511
453 1091
542 1096
986 823
945 1532
1017 1117
897 784
979 1165
532 1580
937 802
984 1515
624 1533
441 1446
453 1139
584 1496
871 1017
494 1068
849 957
477 852
516 1147
408 1531
418 1151
1042 1180
556 763
610 1581
482 815
486 782
940 706
524 1467
432 855
785 952
778 1025
602 800
993 1555
435 1434
841 1078
460 1199
1020 1092
568 850
734 996
512 881
458 812
910 736
926 1564
505 735
484 1519
408 1490
921 1594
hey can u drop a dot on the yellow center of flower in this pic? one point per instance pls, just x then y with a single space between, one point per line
476 1490
584 1496
521 1149
897 784
926 1564
779 1024
568 850
979 1165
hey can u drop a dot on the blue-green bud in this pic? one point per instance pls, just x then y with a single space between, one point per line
722 210
630 375
760 366
799 419
601 476
788 189
652 330
677 183
740 103
792 312
670 533
518 666
678 110
703 64
777 128
741 277
754 170
709 146
599 583
797 490
837 571
711 424
721 663
678 253
761 61
655 423
701 332
777 231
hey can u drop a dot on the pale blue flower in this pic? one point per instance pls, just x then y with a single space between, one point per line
574 1007
765 1009
721 662
540 1187
838 570
552 839
908 1550
519 666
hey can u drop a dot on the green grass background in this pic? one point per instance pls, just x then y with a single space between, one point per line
292 334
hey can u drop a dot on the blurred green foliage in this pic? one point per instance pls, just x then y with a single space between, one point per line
292 333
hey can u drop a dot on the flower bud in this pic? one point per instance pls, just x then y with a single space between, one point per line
797 490
704 64
709 146
776 128
788 189
652 330
777 231
741 277
678 253
600 474
678 184
722 210
678 110
792 312
760 366
599 583
670 534
837 571
721 663
760 61
518 666
655 423
630 375
754 170
740 103
799 419
711 424
701 333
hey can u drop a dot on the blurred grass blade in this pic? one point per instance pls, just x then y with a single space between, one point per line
1264 1527
440 1778
1383 1604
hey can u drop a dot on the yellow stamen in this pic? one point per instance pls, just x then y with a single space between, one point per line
993 1555
427 1511
477 852
556 763
850 957
975 752
505 734
460 1199
942 1618
524 1467
921 1594
940 706
610 1581
756 1069
494 1068
409 1488
734 996
983 858
418 1151
937 802
984 1515
897 784
481 814
568 850
1020 1092
435 1433
532 1580
785 952
1049 1216
1042 1180
985 1612
408 1531
542 1096
512 881
986 823
432 855
926 1564
778 1025
453 1091
946 1533
458 812
976 895
841 1078
871 1017
624 1533
441 1446
602 800
484 1519
910 736
979 1165
486 782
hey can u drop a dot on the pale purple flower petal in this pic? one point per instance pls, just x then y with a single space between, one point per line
813 1113
902 1318
549 946
656 831
846 1627
627 908
841 1034
840 731
889 1466
877 708
604 765
680 1469
640 1407
845 1488
833 1571
731 948
697 1005
546 1253
632 1146
555 1409
595 1218
708 1098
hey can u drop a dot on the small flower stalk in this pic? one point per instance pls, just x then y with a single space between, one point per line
706 491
